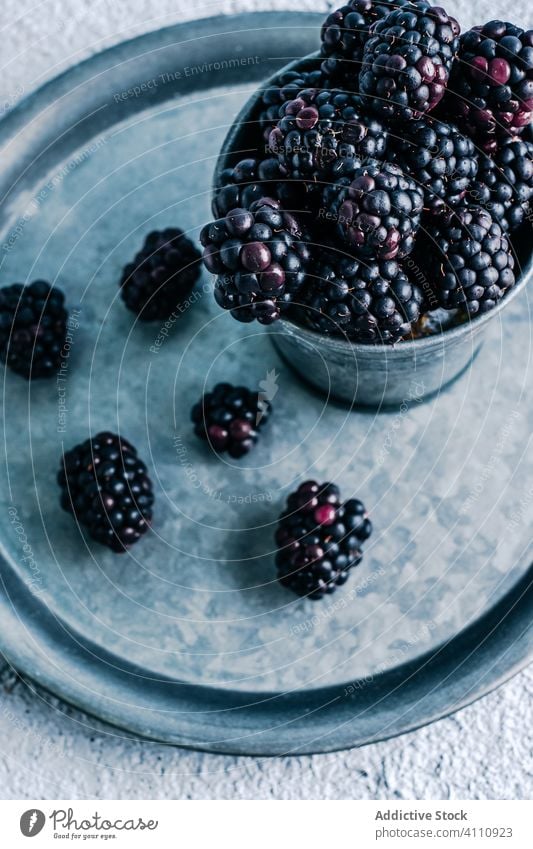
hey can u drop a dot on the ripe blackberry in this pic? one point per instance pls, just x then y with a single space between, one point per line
505 183
230 418
407 60
162 275
319 539
376 214
491 86
286 88
252 179
343 35
318 128
470 260
441 160
105 486
33 328
368 302
259 259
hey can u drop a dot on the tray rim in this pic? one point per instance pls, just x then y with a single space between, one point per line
511 614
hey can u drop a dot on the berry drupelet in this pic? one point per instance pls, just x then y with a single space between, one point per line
230 418
407 60
259 259
33 328
441 159
470 260
376 214
319 539
344 33
162 275
286 88
318 128
491 86
105 486
367 302
504 184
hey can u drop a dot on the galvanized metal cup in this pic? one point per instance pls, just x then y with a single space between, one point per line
371 375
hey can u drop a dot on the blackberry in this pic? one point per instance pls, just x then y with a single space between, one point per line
286 88
368 302
162 275
319 539
491 86
105 486
471 257
259 259
505 183
33 328
343 35
376 214
250 180
319 128
230 418
441 159
407 60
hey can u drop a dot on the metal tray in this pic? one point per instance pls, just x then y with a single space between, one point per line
189 639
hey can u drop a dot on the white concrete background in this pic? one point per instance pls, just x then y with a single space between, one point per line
48 750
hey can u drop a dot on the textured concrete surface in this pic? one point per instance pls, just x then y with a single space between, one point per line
49 750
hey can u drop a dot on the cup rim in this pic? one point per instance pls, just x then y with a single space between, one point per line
468 327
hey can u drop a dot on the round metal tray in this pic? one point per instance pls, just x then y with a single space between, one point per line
188 638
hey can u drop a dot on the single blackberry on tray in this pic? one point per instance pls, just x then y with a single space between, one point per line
105 486
344 34
504 183
365 301
230 418
469 259
33 328
318 128
491 86
286 88
162 276
440 158
259 259
407 60
375 214
319 539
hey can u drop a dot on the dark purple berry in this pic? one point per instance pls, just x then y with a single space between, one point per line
33 328
319 539
230 418
105 486
158 283
407 60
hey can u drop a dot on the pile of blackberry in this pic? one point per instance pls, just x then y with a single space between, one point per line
161 278
319 539
33 328
259 259
405 122
106 487
230 417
